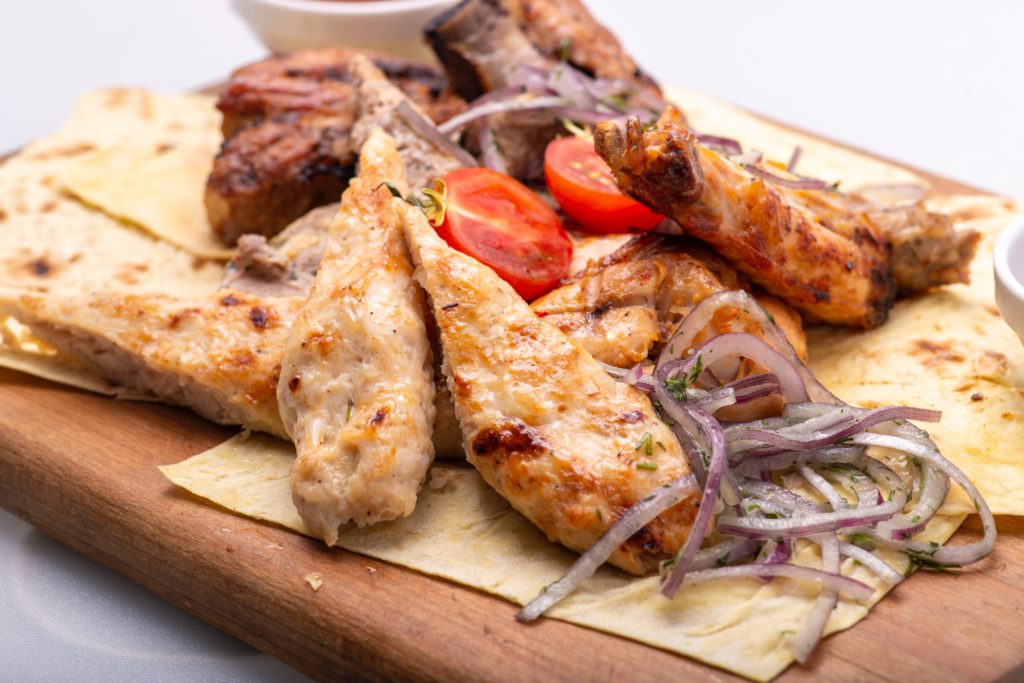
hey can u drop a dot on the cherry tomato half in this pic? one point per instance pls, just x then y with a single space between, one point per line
583 185
503 224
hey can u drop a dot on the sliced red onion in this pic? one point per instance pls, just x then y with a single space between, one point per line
473 113
490 154
632 521
845 422
721 144
791 183
811 523
879 567
727 552
429 132
813 629
959 555
819 484
706 436
742 345
844 585
794 159
704 312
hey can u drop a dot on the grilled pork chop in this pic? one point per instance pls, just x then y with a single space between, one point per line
219 355
806 247
287 125
357 381
625 308
543 422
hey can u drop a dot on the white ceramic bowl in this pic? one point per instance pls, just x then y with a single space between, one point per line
1009 265
392 26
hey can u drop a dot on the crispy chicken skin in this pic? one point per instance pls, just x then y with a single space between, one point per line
219 355
829 261
543 422
357 381
288 148
624 309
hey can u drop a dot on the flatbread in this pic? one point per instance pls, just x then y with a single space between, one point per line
463 531
51 242
160 156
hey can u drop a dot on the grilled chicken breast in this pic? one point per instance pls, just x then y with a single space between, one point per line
807 247
625 308
542 421
357 384
219 355
287 125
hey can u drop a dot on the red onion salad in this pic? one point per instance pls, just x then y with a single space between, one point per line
806 476
561 91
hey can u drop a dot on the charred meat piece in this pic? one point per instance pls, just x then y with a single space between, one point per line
566 28
380 104
487 45
289 149
814 249
320 81
480 45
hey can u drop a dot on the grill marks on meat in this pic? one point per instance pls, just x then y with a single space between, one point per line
546 426
288 148
357 384
626 308
814 250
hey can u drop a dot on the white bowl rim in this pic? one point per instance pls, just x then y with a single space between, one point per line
335 7
1011 235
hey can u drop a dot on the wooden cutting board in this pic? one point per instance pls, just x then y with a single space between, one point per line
83 469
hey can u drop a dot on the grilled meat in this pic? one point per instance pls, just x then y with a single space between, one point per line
484 45
543 422
357 383
288 148
378 108
624 309
927 249
219 355
566 28
813 249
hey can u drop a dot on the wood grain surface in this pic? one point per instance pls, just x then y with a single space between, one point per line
83 469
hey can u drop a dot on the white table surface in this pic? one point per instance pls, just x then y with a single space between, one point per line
939 85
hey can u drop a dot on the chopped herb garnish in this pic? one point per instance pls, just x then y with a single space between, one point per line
564 49
348 411
649 466
929 563
915 519
722 561
600 517
697 369
677 387
661 445
646 444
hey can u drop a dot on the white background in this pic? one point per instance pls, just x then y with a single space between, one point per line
939 85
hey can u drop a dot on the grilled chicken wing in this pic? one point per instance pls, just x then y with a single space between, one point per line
287 123
219 355
624 309
542 421
810 248
356 390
